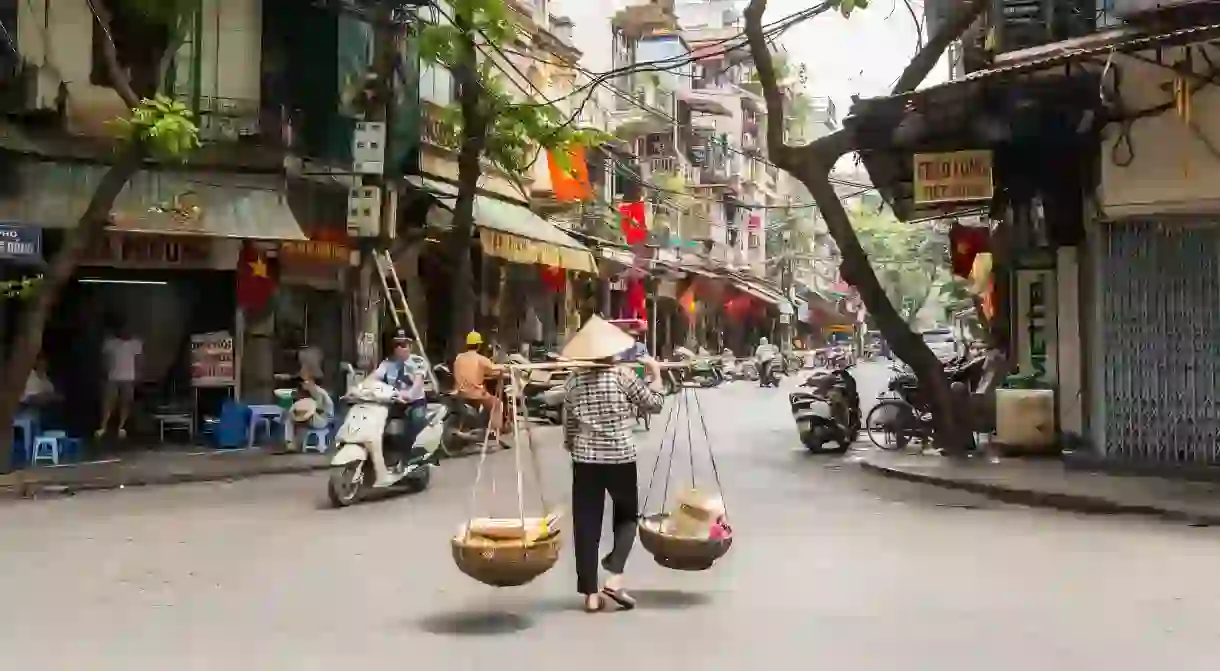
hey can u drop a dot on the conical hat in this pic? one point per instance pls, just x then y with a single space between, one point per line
597 339
304 410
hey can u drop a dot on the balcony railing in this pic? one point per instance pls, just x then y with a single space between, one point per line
227 119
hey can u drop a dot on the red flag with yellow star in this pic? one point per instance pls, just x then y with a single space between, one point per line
255 282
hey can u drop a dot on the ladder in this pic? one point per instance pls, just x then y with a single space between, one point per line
399 306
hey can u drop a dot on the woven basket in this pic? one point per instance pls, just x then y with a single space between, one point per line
680 553
506 563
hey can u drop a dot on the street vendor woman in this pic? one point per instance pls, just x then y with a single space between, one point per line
600 408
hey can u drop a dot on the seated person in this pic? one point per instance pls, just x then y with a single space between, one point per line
39 392
314 410
470 373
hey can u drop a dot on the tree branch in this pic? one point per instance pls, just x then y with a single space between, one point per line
917 70
120 80
767 78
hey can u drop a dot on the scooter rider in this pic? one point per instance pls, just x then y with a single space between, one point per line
765 355
405 373
470 373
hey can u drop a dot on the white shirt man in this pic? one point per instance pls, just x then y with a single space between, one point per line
120 353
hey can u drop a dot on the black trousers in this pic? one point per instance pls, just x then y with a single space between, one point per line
590 484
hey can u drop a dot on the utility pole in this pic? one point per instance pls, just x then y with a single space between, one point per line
372 165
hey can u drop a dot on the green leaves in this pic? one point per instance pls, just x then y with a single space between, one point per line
22 288
518 132
846 7
164 125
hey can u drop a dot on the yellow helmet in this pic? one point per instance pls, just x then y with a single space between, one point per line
474 338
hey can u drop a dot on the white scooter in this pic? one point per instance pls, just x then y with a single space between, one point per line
360 458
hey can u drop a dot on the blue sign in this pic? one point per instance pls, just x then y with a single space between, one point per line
21 243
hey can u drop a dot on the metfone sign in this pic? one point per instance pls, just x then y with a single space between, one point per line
953 177
21 243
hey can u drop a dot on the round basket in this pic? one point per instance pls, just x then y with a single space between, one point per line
505 563
678 552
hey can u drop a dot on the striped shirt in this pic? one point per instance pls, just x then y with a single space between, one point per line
599 414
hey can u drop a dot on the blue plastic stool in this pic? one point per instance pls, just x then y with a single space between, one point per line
316 440
46 448
27 423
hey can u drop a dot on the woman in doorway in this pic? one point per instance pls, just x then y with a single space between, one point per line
120 352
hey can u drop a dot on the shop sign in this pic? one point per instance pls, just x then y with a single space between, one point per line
324 248
120 250
953 177
212 360
21 243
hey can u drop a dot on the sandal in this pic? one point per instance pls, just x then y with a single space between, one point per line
620 596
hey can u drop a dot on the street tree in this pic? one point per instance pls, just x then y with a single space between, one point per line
811 165
157 128
488 122
911 260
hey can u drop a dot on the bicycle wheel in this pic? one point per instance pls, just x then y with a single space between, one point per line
891 424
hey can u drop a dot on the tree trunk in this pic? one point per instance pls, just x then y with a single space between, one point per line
811 165
474 141
33 320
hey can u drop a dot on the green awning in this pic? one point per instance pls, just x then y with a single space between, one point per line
205 204
514 232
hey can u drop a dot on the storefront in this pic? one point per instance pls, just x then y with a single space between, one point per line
165 271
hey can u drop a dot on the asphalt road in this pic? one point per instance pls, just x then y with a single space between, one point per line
833 568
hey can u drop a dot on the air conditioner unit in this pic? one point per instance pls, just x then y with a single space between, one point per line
1135 8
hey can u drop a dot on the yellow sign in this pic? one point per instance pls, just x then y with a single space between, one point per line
953 177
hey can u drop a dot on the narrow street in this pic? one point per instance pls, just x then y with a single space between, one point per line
832 567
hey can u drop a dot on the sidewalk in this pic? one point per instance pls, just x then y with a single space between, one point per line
1050 483
156 468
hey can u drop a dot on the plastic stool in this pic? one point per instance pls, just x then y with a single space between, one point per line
316 440
46 448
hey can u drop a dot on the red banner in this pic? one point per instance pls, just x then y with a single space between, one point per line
635 229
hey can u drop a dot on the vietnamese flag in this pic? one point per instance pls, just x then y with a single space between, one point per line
635 230
553 278
255 283
570 182
965 243
687 301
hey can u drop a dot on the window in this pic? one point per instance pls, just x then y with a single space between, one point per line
754 241
139 46
436 85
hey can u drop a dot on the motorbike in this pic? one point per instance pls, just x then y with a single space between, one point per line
768 375
827 409
361 444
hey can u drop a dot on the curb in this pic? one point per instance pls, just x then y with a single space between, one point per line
1080 503
35 489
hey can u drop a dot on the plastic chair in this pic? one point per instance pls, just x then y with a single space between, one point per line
47 448
316 440
27 423
266 416
232 429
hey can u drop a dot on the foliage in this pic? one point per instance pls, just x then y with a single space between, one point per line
518 131
846 7
22 288
911 260
165 126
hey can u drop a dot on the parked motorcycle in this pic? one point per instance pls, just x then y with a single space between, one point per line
362 447
827 409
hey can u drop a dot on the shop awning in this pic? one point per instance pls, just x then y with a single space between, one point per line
514 233
203 204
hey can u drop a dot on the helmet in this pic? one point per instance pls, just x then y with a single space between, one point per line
763 341
474 338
